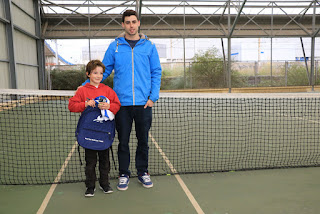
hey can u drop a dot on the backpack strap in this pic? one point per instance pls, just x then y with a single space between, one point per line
79 154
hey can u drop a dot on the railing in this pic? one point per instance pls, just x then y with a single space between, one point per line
212 74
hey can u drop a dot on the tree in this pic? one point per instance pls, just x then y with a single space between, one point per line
208 71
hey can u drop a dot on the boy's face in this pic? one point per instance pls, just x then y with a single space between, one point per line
96 76
131 25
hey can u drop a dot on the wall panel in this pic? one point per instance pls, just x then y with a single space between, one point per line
3 42
25 49
22 20
1 9
27 77
4 74
27 5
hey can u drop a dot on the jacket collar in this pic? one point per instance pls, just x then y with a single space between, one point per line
88 85
142 36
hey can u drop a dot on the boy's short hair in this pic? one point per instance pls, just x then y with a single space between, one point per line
93 64
129 13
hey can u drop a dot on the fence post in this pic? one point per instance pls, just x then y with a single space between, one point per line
286 72
190 73
255 73
316 71
49 84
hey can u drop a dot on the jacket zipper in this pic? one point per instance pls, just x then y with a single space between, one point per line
133 78
133 96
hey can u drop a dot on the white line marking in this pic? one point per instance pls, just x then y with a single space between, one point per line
302 118
56 180
180 181
297 118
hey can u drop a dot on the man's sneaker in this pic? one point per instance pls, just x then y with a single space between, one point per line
123 182
106 189
145 180
89 192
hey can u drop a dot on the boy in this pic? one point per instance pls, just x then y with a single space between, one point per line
83 98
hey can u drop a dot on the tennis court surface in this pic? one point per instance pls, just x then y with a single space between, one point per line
193 137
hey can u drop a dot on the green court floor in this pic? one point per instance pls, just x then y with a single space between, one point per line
276 191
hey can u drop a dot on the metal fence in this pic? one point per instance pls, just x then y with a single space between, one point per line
212 74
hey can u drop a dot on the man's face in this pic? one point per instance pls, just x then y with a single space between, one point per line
131 25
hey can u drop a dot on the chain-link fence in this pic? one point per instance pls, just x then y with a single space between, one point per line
211 74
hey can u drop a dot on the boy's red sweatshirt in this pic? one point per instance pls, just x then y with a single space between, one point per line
88 91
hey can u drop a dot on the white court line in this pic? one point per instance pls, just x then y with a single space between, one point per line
53 186
302 118
297 118
180 181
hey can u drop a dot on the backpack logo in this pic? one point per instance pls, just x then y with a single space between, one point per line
95 140
99 119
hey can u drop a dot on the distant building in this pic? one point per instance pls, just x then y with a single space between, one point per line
51 58
301 58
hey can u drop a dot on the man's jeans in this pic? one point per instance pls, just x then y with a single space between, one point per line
142 118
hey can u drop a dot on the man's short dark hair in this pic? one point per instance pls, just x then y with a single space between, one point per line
129 13
93 64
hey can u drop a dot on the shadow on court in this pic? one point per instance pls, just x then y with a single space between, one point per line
277 191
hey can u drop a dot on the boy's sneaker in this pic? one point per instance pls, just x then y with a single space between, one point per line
145 180
123 182
106 189
89 192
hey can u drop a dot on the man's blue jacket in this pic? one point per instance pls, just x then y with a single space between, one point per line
137 71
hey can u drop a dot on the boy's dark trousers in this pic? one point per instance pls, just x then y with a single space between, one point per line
90 170
142 118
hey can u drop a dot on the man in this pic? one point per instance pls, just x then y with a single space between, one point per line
137 78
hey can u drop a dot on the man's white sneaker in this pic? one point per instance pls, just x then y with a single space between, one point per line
145 180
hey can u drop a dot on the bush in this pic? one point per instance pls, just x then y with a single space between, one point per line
297 76
172 79
208 71
67 80
171 83
71 79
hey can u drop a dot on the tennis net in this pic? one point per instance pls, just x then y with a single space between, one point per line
191 133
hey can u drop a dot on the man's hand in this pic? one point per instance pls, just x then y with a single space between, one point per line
149 103
78 89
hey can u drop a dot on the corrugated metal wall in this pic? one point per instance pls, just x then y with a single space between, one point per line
20 44
4 65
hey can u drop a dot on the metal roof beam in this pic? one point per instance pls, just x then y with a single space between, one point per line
237 18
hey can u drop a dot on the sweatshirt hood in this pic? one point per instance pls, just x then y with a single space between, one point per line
142 36
88 85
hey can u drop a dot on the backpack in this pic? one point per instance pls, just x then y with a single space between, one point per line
92 133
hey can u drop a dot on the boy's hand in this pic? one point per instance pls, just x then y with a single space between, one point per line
104 106
91 103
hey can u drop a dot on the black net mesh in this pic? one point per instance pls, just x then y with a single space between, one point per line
190 134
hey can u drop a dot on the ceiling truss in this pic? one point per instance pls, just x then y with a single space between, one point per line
182 19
